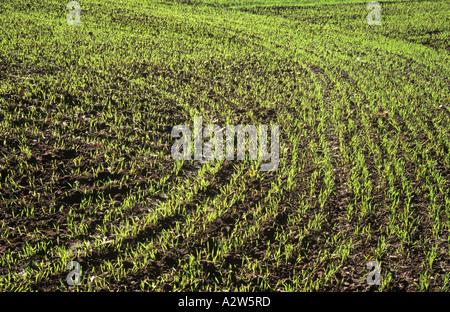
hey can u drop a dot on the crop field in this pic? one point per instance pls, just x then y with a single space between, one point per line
93 199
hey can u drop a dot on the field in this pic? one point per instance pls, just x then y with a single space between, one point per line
86 167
